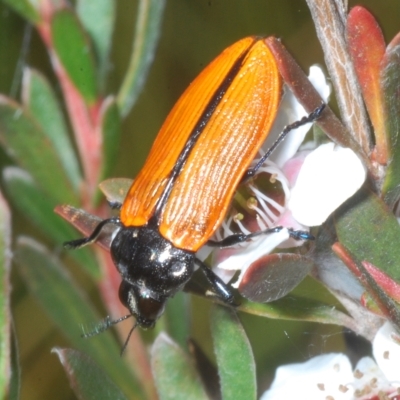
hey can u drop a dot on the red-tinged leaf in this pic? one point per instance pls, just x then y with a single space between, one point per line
369 230
388 307
390 81
174 373
367 48
87 379
74 51
5 290
235 360
116 189
329 19
273 276
309 98
384 281
86 223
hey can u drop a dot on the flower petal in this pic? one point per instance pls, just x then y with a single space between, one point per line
387 352
245 256
316 379
369 380
329 176
290 110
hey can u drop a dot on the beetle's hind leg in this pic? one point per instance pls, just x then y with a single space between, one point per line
237 238
78 243
219 288
313 116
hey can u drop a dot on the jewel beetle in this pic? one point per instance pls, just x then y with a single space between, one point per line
181 195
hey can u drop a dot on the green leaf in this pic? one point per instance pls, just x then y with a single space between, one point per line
369 230
5 322
115 189
175 375
236 366
177 314
98 17
110 124
87 379
297 308
73 48
39 98
274 276
69 308
390 81
148 25
24 140
25 9
38 208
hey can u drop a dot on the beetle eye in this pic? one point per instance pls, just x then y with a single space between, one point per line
144 308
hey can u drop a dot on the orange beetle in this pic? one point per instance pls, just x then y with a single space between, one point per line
181 195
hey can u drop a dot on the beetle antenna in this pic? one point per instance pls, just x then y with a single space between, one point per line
103 326
129 336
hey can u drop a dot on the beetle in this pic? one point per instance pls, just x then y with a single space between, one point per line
182 194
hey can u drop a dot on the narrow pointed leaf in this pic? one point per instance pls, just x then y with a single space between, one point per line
41 101
148 25
110 124
329 21
69 308
174 373
86 223
74 51
38 208
367 48
273 276
116 189
24 140
387 306
235 360
25 8
296 308
390 78
367 228
98 17
88 380
5 290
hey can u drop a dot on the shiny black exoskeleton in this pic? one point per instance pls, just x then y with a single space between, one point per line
152 271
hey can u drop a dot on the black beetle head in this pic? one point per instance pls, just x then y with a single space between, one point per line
152 270
141 304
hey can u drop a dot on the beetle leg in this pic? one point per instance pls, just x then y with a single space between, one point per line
242 237
305 120
220 289
78 243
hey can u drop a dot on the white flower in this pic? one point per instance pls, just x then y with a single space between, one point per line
314 183
331 376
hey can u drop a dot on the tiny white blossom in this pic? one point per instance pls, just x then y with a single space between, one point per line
331 376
